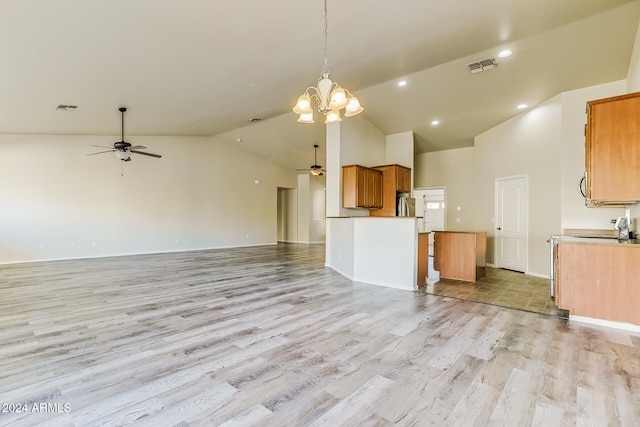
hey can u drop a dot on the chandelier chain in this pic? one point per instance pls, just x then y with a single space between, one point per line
325 68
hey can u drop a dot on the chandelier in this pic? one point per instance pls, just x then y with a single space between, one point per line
328 95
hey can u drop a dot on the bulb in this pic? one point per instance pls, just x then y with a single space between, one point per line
353 107
306 118
338 99
303 106
333 116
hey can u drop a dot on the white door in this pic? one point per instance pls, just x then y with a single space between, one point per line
511 223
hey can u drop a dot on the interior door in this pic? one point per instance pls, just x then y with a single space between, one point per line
511 223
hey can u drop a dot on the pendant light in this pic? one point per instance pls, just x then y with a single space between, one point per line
328 95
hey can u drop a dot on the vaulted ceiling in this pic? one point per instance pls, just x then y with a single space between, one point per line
201 67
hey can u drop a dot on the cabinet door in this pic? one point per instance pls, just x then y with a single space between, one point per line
376 189
613 149
599 281
361 191
403 179
361 187
349 186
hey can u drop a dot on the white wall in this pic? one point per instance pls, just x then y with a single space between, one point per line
633 85
574 213
303 207
55 202
455 170
633 75
355 140
400 149
311 208
287 215
530 144
317 213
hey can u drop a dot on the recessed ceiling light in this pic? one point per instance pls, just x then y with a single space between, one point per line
522 106
505 53
402 83
435 122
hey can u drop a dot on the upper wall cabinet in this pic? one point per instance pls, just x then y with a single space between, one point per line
613 151
395 179
361 187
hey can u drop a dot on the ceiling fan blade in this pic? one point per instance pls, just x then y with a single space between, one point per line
137 147
146 154
100 152
99 146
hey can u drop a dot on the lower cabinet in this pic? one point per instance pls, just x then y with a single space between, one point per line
599 281
423 258
460 255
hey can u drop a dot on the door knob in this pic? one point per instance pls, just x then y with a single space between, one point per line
499 228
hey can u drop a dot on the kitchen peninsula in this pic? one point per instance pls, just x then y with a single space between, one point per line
385 251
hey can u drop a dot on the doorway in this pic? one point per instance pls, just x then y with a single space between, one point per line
511 219
431 206
287 230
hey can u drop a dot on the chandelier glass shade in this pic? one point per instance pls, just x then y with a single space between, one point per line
329 97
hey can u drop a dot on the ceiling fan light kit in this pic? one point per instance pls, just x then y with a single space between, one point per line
328 95
316 169
123 149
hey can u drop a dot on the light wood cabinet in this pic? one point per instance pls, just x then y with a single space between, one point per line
423 258
460 255
361 187
613 150
599 281
395 179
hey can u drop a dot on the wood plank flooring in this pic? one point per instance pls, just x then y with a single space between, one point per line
268 336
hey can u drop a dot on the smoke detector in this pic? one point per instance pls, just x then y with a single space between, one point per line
482 65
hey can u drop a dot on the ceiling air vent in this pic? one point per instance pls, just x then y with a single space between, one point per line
483 65
64 107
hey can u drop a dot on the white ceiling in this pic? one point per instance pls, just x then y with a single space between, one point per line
202 67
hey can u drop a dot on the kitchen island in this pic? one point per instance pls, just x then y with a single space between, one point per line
381 251
460 255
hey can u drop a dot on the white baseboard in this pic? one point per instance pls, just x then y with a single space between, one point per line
607 323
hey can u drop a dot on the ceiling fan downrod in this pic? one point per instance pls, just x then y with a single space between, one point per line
122 110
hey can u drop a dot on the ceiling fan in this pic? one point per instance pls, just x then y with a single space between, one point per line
315 169
123 149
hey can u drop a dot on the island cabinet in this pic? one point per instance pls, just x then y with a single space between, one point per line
395 179
361 187
599 281
460 255
613 150
423 258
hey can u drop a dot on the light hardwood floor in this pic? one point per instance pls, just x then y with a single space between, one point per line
268 336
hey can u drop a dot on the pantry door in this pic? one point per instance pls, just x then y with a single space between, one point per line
511 223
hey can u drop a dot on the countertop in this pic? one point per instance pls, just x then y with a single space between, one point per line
598 241
460 232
